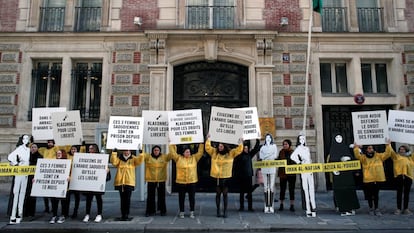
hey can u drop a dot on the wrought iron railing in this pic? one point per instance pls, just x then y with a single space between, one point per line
52 19
88 19
210 17
334 19
371 19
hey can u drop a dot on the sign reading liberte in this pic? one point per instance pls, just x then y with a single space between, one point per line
226 125
125 132
51 178
370 127
89 172
155 127
42 127
67 128
185 126
401 126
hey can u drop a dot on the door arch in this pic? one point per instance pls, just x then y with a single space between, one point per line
201 85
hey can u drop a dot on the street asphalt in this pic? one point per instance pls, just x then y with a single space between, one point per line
327 219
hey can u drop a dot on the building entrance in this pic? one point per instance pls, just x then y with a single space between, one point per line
201 85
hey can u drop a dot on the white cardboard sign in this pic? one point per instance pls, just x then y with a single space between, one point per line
185 126
42 128
226 125
251 123
370 127
125 132
51 178
401 126
89 172
67 128
155 127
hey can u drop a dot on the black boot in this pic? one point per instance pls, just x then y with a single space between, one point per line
281 207
250 203
241 202
224 207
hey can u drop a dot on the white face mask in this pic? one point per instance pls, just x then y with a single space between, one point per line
338 138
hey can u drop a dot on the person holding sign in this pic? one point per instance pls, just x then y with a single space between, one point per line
125 163
403 173
373 173
155 175
71 153
284 178
243 172
60 154
186 175
221 169
19 157
268 151
301 155
48 152
93 148
343 182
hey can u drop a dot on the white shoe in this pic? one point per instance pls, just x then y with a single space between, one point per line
271 210
12 221
18 220
192 214
181 215
61 219
53 220
86 218
98 218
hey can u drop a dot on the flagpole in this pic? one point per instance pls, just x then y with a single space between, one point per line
305 105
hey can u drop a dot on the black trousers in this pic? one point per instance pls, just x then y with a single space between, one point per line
372 194
283 184
125 196
99 202
152 189
403 184
55 206
182 190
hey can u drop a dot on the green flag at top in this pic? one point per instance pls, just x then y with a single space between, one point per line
317 6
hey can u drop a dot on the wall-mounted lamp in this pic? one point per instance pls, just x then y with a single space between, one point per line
284 21
138 20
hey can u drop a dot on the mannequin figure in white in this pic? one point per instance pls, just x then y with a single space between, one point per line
268 152
301 155
19 157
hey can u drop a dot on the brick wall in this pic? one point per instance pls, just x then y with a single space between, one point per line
409 15
275 9
8 15
146 9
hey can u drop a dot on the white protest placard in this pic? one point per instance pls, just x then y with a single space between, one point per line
226 125
89 172
370 127
155 127
125 132
51 178
185 126
67 128
42 128
251 123
401 126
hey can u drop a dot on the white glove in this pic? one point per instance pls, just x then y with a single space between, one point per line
336 173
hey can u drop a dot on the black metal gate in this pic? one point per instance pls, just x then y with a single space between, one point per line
339 119
201 85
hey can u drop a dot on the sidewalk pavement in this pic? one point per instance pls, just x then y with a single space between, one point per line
205 220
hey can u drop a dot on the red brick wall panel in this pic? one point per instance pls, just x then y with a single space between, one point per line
275 9
146 9
8 15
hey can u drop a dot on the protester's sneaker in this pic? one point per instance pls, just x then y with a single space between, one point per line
407 212
53 220
98 218
181 215
61 219
397 212
18 219
86 218
377 212
192 214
